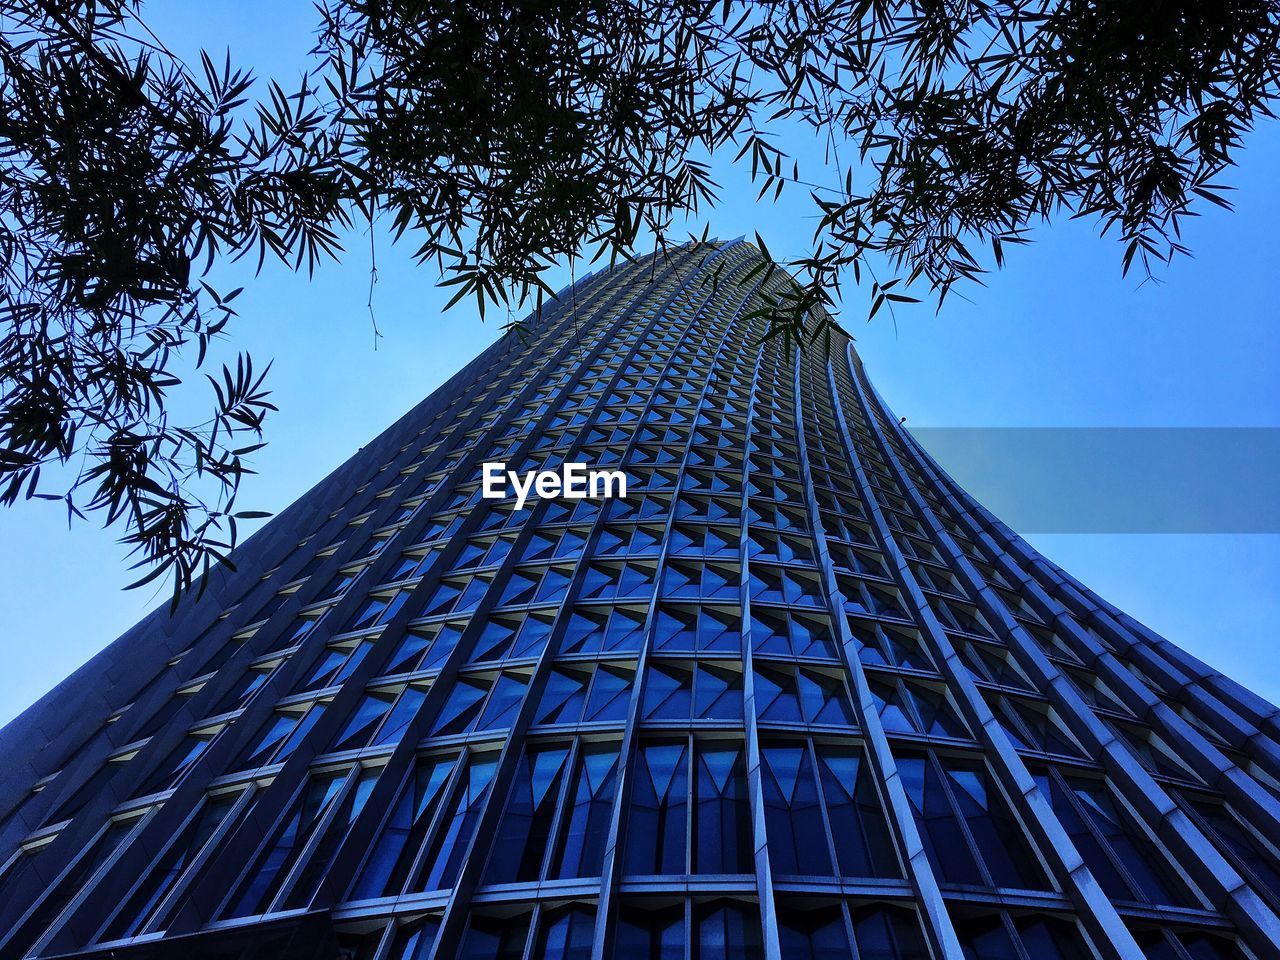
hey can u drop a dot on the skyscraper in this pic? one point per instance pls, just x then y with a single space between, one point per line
795 695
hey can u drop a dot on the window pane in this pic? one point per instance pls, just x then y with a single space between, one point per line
525 830
888 933
165 872
258 888
797 837
402 835
322 854
586 822
566 934
864 847
458 823
645 934
944 842
816 933
414 941
495 938
1000 840
722 822
656 822
726 930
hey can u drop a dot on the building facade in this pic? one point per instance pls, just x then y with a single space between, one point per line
796 696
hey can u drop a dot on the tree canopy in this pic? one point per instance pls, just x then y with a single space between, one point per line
502 138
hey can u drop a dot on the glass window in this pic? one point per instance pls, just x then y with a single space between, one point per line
1126 862
439 868
515 637
525 830
1237 839
998 936
727 930
369 712
908 707
885 646
257 890
690 628
423 649
404 832
722 840
812 933
885 932
413 941
1048 938
335 665
495 937
280 737
797 834
238 696
861 835
656 824
801 694
169 709
649 933
504 701
566 933
1152 751
998 837
164 873
585 826
322 854
166 776
377 609
564 696
82 871
1034 726
575 694
401 715
480 703
986 938
701 691
965 825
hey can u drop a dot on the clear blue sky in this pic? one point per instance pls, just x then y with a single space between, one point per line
1057 338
